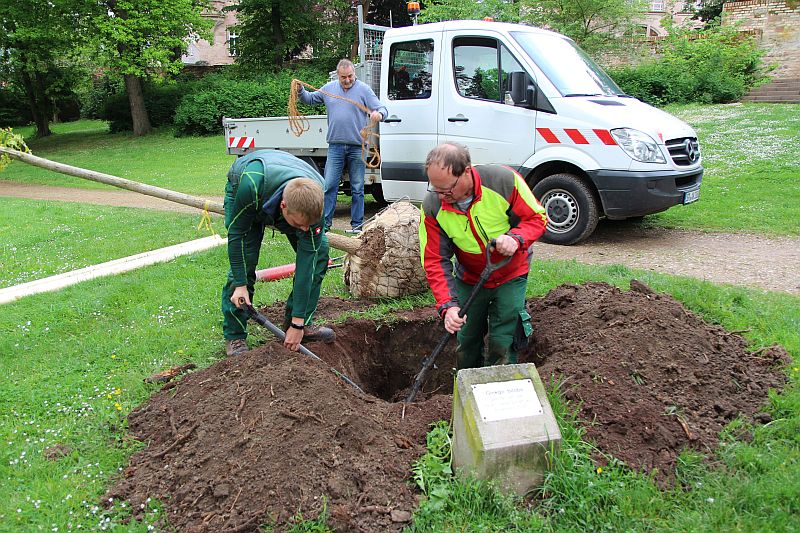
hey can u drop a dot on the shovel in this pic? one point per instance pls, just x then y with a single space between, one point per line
275 330
427 363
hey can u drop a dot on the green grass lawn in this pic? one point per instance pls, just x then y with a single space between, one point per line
63 236
192 165
752 161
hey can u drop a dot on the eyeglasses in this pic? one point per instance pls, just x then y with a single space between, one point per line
445 192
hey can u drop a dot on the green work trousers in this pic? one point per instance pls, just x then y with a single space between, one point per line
499 312
234 320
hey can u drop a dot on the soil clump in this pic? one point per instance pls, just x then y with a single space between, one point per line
262 437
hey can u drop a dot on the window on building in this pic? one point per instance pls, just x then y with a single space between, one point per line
645 31
657 6
233 50
691 5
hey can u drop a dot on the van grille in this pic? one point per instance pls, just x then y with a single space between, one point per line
684 151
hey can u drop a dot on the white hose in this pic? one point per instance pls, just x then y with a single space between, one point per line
117 266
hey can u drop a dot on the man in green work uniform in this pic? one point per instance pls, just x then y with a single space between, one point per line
273 188
467 207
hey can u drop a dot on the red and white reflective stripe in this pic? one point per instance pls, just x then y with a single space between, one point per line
241 142
576 136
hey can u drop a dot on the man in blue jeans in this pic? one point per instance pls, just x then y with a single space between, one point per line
345 122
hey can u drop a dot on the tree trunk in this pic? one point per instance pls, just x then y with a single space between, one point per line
354 47
141 120
40 116
278 37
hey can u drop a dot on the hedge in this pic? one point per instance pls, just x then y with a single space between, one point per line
201 112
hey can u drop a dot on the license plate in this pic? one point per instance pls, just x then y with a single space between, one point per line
691 196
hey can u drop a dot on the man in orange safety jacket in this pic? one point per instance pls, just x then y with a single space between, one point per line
466 207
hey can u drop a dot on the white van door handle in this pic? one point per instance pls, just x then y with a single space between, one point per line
393 119
460 118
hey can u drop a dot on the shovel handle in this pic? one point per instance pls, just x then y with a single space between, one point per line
427 364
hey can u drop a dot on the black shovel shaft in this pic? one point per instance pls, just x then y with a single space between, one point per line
427 363
275 330
278 332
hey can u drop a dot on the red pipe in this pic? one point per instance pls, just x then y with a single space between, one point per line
281 272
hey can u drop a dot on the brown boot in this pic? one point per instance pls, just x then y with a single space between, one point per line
235 347
314 333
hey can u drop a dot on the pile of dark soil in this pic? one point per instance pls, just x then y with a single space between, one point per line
650 378
271 434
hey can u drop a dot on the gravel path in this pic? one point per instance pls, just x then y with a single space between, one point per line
769 263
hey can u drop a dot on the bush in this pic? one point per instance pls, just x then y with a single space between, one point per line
14 108
217 96
96 92
160 100
714 65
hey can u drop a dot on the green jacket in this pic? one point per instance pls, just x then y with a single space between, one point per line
253 197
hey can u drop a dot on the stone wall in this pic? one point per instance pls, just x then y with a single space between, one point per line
203 53
776 24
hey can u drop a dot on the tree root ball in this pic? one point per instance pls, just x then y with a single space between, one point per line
387 264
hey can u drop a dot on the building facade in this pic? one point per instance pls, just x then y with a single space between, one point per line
776 26
222 49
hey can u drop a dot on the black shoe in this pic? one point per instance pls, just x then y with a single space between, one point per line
314 333
235 347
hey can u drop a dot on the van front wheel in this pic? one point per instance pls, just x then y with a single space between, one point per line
571 208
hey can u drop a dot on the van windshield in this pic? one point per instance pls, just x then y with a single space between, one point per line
570 69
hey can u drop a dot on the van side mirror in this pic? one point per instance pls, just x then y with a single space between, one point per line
521 89
524 93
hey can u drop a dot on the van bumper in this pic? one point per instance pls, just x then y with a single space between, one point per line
631 194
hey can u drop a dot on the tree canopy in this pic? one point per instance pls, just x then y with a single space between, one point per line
271 32
145 39
593 24
38 44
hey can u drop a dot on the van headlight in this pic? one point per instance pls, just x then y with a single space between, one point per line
638 145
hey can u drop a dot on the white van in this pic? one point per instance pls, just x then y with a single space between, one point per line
532 100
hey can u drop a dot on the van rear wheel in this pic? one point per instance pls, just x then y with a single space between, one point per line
571 208
311 162
376 189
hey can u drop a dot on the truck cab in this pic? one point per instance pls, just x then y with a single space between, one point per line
533 100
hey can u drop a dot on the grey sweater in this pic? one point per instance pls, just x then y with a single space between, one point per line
345 120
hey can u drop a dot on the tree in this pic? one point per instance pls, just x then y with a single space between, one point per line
272 32
707 10
593 24
37 42
388 13
143 39
499 10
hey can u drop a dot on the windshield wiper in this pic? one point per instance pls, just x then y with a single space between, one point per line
584 94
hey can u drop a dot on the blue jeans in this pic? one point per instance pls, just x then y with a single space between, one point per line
338 155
